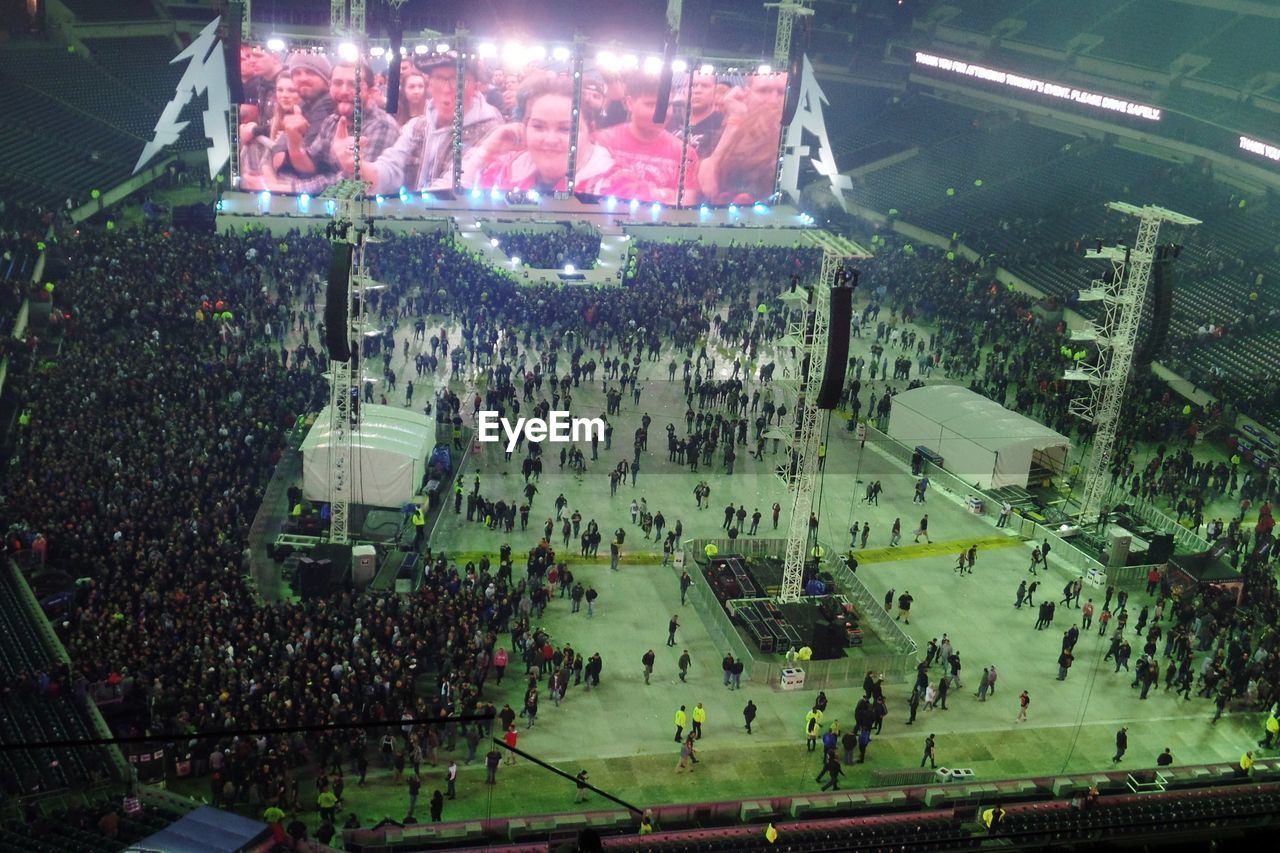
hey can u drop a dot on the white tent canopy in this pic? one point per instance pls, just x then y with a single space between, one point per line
390 450
979 440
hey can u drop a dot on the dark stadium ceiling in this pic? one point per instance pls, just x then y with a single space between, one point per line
742 26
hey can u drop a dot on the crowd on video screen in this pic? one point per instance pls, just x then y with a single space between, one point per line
716 144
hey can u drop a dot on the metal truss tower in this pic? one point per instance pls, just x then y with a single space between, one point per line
788 11
1122 294
344 386
808 333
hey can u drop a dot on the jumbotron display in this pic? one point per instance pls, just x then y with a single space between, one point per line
526 119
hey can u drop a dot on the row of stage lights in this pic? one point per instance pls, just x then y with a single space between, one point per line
516 55
611 203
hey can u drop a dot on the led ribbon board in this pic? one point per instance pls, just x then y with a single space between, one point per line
1041 87
1262 149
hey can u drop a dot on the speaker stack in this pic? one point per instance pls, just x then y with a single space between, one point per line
838 340
336 323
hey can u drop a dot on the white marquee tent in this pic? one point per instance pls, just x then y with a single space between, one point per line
979 440
389 455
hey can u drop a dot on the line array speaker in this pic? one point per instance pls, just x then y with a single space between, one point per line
336 324
837 347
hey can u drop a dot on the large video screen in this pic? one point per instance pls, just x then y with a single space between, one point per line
297 129
518 128
717 143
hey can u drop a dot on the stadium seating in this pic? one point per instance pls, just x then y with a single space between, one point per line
25 717
94 11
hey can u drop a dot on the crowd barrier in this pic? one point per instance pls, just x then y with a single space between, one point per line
1187 540
899 662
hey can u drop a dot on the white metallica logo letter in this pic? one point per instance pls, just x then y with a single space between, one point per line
809 117
206 72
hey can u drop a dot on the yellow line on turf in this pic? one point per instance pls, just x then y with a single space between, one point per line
951 547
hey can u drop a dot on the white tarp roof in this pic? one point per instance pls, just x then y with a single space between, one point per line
390 452
979 439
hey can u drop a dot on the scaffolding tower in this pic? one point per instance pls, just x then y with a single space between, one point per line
788 11
351 211
1121 294
808 333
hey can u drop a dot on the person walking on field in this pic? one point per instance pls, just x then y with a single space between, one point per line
1024 699
682 720
647 660
923 530
699 717
1122 744
930 752
749 715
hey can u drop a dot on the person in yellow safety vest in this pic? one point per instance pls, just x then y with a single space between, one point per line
993 817
419 527
1246 763
1272 728
822 456
710 551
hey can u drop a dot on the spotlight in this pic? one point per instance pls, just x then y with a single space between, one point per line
493 241
537 53
679 66
561 54
707 69
765 68
377 51
379 199
348 52
487 50
277 44
634 204
515 261
421 49
442 47
653 65
568 269
630 61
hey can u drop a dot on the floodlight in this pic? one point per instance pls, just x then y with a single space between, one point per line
487 50
653 65
377 51
277 44
568 269
515 261
707 68
765 68
679 66
630 61
561 54
537 53
493 241
421 49
348 52
442 47
607 60
513 54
